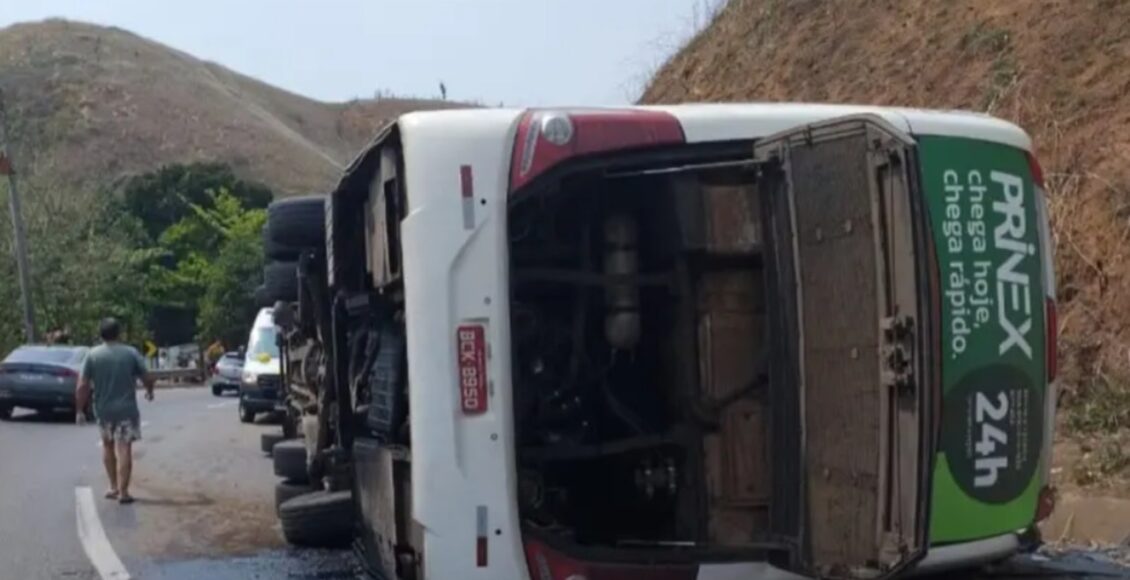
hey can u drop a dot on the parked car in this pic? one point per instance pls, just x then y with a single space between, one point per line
227 373
260 376
41 378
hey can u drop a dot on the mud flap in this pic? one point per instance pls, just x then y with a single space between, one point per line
841 217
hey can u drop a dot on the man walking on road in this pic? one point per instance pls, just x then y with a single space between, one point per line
110 372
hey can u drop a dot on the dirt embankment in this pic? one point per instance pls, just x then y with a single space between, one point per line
1055 67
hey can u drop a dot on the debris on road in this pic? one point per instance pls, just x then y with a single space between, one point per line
305 564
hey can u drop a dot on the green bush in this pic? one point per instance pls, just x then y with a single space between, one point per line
184 236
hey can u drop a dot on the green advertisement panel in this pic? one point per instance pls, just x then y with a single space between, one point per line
982 206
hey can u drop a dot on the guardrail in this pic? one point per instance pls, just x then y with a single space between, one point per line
178 375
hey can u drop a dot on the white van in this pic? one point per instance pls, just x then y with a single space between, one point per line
260 384
684 342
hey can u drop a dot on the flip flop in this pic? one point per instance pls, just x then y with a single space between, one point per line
111 494
125 499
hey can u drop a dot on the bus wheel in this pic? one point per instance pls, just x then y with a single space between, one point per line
318 519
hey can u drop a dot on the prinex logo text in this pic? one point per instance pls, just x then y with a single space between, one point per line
1014 288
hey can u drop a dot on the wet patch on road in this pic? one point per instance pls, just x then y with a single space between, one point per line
168 523
308 564
1104 562
1055 563
281 564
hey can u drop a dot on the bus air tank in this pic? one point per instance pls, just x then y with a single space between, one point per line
622 298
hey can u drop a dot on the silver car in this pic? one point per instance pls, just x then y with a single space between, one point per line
41 378
226 373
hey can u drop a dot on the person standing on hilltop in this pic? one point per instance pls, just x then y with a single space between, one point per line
110 373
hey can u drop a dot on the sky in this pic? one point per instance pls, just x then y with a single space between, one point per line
516 52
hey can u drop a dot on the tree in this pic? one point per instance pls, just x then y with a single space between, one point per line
228 308
184 238
220 261
162 198
80 270
190 216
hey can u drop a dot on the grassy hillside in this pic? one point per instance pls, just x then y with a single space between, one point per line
89 104
1055 67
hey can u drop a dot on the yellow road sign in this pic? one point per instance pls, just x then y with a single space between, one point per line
150 349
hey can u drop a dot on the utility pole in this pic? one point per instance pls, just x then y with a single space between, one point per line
18 235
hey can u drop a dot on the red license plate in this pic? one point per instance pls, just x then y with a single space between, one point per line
470 342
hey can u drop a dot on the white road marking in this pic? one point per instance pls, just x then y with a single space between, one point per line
93 538
221 405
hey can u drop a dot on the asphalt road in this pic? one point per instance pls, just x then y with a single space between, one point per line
204 499
205 504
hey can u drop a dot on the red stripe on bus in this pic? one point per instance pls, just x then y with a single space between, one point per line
465 181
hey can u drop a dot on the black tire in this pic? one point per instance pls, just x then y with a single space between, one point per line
5 412
297 222
1031 539
280 281
289 426
217 391
246 415
274 250
320 519
287 490
267 441
305 308
290 460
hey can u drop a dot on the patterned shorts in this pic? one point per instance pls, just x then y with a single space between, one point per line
125 431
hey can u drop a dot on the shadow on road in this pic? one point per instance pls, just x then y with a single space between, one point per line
268 419
170 502
1051 564
45 417
290 564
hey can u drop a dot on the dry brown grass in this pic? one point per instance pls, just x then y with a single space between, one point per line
90 104
1056 67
